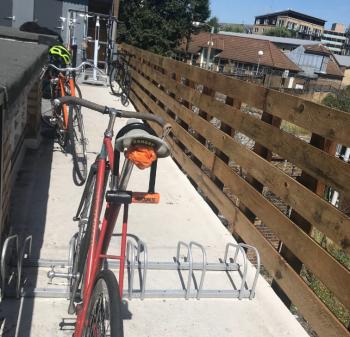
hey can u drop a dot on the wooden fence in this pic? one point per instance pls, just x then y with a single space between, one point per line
209 114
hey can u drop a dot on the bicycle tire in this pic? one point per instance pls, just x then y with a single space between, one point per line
82 240
77 142
77 90
115 80
105 293
79 264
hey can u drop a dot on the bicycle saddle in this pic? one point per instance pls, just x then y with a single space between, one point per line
139 134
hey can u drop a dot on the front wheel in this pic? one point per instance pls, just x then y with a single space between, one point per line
104 313
77 142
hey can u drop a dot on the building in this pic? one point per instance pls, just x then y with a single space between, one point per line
47 13
21 60
283 43
347 42
344 63
246 58
335 39
62 16
302 25
320 68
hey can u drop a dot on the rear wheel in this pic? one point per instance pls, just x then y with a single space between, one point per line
104 313
77 142
115 79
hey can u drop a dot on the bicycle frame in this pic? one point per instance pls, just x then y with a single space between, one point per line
61 84
109 159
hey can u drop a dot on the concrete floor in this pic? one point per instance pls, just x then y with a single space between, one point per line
45 199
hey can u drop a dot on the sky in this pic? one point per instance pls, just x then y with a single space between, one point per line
244 11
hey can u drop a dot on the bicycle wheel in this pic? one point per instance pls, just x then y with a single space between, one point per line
77 142
82 241
126 89
104 312
115 79
84 236
77 90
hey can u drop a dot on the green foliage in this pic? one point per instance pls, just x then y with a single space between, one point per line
235 28
340 101
281 32
159 26
214 22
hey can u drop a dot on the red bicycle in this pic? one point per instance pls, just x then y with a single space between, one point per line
95 295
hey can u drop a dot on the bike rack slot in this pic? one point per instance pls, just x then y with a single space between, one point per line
22 256
22 253
204 264
137 259
190 263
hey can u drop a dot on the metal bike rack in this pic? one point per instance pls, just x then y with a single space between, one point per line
229 264
137 261
73 18
11 280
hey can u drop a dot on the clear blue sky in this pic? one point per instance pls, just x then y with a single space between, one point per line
238 11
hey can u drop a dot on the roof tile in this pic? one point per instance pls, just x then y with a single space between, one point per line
243 50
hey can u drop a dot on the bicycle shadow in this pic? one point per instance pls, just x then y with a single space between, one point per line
68 324
29 198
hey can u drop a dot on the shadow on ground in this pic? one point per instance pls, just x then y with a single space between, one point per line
28 217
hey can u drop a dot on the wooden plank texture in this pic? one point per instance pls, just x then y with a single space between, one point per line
317 163
323 321
332 124
323 215
331 272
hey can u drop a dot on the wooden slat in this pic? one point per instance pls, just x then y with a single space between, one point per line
323 321
331 272
329 123
317 163
324 216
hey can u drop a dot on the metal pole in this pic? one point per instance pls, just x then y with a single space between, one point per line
257 69
209 47
97 37
116 4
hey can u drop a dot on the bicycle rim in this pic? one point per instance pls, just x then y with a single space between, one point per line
77 142
104 313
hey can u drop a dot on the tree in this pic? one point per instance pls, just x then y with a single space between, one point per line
214 22
159 26
235 28
281 32
339 101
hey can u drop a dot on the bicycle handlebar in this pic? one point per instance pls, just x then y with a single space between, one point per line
70 69
106 110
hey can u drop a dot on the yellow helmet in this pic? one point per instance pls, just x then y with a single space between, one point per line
59 54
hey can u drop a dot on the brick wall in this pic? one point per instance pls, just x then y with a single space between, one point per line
20 128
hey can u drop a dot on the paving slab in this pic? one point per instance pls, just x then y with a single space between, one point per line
44 202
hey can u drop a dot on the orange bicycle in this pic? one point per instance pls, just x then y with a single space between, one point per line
67 121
